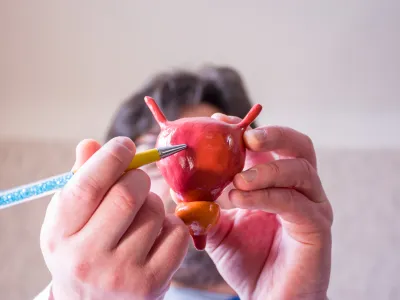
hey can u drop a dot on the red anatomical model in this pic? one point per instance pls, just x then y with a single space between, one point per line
215 153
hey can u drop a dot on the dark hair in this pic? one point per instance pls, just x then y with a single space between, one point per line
220 86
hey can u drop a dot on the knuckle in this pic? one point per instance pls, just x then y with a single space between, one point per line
146 283
47 241
123 198
86 189
260 145
143 177
266 194
152 281
280 132
140 179
291 195
277 136
307 169
248 199
180 232
119 153
115 155
47 244
273 168
156 206
302 178
113 280
131 190
81 269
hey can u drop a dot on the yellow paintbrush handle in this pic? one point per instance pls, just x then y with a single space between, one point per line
144 158
140 159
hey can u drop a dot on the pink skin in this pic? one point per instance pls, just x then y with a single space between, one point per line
189 172
105 236
277 243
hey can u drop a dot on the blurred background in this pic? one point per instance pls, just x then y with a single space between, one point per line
330 69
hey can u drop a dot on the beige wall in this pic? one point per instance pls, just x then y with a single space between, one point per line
338 60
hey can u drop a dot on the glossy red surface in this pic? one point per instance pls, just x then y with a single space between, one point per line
215 154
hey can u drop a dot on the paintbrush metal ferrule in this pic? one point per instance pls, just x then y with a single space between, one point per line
170 150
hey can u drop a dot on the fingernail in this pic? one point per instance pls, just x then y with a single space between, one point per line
78 150
218 115
127 142
226 118
74 168
249 175
257 134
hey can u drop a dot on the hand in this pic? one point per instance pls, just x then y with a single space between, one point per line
105 236
277 243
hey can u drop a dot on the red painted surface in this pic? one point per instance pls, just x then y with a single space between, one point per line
215 154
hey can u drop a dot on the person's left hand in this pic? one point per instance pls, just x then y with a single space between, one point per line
277 243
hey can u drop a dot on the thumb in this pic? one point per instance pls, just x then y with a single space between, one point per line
84 151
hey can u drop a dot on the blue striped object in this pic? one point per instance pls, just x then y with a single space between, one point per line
34 190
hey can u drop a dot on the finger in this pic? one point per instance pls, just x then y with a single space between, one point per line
252 158
226 118
291 205
79 199
144 229
117 211
84 151
282 140
169 249
285 173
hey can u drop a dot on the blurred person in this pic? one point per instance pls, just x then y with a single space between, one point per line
273 240
184 94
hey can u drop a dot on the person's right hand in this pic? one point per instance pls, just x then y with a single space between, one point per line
105 236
